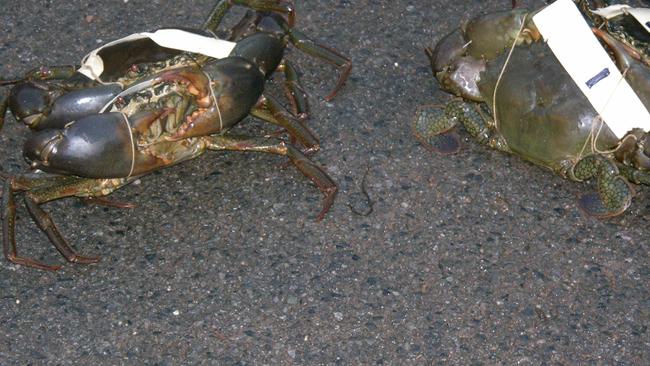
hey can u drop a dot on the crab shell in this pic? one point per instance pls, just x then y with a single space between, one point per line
541 114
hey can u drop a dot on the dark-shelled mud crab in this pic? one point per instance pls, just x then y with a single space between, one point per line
516 97
140 104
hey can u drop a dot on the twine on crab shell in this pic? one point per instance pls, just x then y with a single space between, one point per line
598 121
503 70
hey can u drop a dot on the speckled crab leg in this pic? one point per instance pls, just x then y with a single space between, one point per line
269 110
614 192
221 8
635 176
273 146
433 126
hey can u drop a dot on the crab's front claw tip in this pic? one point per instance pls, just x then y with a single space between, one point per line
434 135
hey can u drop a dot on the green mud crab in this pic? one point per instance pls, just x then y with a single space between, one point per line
541 115
136 105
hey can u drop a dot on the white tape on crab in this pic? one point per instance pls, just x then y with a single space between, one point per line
642 15
92 65
576 47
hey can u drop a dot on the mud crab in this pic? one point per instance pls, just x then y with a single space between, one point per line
137 105
541 115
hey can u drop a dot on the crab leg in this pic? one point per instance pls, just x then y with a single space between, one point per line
43 73
327 54
294 91
46 224
9 232
248 21
272 146
222 7
41 188
269 110
635 176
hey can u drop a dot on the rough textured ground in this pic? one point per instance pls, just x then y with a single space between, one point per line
475 258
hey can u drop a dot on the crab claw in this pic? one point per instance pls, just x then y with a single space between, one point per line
29 102
103 139
456 72
434 130
614 193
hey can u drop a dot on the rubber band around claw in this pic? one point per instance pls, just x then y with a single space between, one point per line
214 99
503 70
128 126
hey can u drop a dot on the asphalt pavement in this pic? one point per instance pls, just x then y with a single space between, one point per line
478 258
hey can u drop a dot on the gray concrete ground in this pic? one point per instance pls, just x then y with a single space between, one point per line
475 258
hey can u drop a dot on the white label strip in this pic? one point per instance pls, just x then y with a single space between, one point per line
190 42
642 15
578 50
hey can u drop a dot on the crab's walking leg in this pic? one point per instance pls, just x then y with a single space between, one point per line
45 223
272 146
635 176
269 110
9 232
40 188
248 21
222 7
294 91
43 73
327 54
614 192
